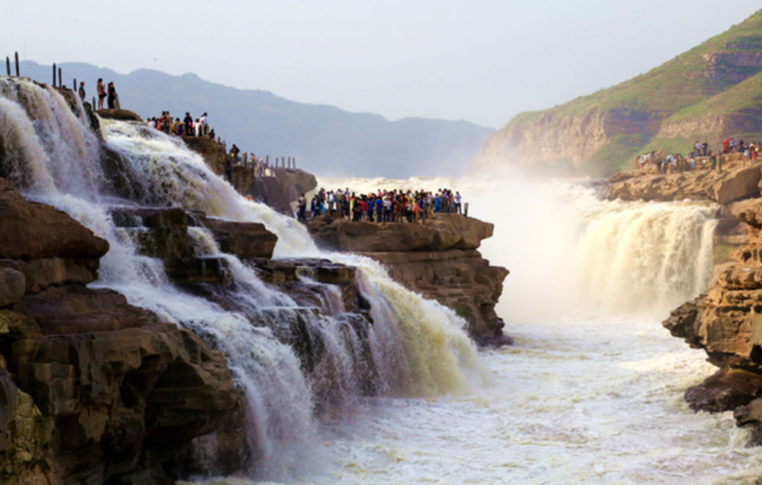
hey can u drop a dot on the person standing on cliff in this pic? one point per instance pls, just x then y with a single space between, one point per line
188 124
101 88
204 125
82 91
111 95
302 216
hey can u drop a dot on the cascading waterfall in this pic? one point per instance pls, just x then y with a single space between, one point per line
637 256
569 252
415 347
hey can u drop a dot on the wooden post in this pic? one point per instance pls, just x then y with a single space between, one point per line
465 209
294 163
75 85
8 65
95 106
18 73
60 78
54 74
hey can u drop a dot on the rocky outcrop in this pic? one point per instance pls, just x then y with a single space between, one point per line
726 322
118 114
736 182
278 188
92 389
247 240
437 259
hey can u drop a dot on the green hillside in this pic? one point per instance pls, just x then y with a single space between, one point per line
718 77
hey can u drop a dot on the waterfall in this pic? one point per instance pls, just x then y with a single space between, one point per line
571 253
414 347
637 256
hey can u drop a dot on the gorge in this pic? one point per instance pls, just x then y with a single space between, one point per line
188 333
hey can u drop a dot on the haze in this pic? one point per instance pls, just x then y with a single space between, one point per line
481 61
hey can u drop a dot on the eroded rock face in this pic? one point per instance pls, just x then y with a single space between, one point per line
110 382
92 389
726 322
735 183
247 240
36 231
437 259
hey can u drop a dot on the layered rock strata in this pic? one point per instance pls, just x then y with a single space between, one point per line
726 322
735 182
92 389
438 259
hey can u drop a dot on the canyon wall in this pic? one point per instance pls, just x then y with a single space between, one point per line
707 93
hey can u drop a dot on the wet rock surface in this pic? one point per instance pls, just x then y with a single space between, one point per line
437 259
92 389
726 322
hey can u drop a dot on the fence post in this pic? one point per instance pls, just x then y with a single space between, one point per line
60 78
54 74
18 73
465 209
8 65
75 85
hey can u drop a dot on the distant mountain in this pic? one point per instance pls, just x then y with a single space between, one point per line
324 139
710 92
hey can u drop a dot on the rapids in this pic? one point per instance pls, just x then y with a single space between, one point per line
591 393
416 347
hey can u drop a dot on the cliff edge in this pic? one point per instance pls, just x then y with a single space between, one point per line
438 259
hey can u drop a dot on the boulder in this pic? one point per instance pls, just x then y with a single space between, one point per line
119 114
247 240
725 390
738 185
36 231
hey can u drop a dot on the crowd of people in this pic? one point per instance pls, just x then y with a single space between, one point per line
188 126
701 157
381 206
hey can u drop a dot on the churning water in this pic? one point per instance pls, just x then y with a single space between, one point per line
591 393
415 347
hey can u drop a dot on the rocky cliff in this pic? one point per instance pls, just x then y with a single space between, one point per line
438 259
92 389
726 323
709 92
736 181
95 390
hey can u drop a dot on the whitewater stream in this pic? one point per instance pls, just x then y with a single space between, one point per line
590 393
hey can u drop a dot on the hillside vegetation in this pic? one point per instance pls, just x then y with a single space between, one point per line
709 92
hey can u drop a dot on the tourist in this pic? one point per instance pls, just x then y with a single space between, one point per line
234 152
188 124
302 216
101 88
111 95
204 125
82 91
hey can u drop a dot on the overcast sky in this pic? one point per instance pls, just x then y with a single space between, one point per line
478 60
